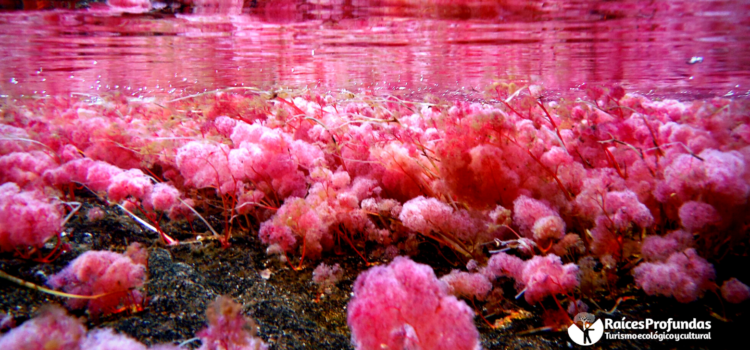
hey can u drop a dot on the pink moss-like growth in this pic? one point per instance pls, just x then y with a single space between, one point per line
537 278
107 339
543 276
51 329
504 265
115 275
467 285
719 174
24 167
162 198
536 219
735 291
548 228
622 212
205 165
10 142
326 276
656 248
132 183
404 306
425 215
696 215
684 276
95 214
100 174
271 159
27 218
73 171
324 175
296 219
625 210
228 328
131 6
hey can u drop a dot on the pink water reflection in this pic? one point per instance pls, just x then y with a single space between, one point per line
397 44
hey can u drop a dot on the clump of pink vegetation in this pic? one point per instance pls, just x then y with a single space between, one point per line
51 329
29 218
467 285
735 291
404 306
536 278
613 178
228 328
684 276
326 276
114 277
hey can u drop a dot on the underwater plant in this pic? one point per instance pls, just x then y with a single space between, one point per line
404 306
566 199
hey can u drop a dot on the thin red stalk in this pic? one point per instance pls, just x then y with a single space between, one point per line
297 109
549 171
613 162
554 125
348 240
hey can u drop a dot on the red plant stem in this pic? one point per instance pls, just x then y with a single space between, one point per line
659 152
548 170
55 251
506 103
447 241
552 121
296 109
154 175
345 238
560 306
152 218
302 258
613 162
479 312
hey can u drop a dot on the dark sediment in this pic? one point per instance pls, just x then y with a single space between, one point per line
291 311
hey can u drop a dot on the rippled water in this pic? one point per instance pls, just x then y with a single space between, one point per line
689 48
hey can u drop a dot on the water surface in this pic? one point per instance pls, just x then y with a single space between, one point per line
688 48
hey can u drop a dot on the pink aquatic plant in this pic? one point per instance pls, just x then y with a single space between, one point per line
547 276
656 248
467 285
130 6
696 215
228 328
326 276
536 278
51 329
54 329
404 306
27 218
113 277
735 291
684 276
25 168
536 219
